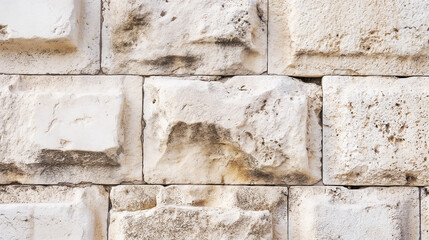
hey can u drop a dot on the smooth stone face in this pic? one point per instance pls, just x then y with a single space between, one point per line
198 212
330 37
50 36
425 213
53 21
256 129
369 213
157 37
53 213
61 129
375 131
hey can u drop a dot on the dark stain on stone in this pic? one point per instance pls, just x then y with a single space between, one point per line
199 203
230 42
136 20
10 168
3 29
173 61
85 158
126 35
411 179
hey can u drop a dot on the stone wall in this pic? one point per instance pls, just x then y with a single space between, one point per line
214 119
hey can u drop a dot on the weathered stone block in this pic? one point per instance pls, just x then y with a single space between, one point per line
157 37
339 213
375 131
36 212
62 129
330 37
254 129
50 36
198 212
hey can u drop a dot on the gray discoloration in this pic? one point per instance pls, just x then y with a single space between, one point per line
85 158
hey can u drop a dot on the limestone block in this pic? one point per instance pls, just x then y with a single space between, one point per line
70 129
157 37
50 36
338 213
366 37
50 213
198 212
375 130
425 213
242 130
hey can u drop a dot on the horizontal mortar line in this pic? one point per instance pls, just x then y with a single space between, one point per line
190 184
210 75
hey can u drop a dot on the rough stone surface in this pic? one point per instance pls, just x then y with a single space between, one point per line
330 37
51 213
50 36
338 213
254 129
157 37
198 212
375 130
61 129
425 213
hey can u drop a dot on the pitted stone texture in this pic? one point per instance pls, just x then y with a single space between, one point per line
425 213
375 131
330 37
50 36
338 213
50 213
70 129
198 212
157 37
242 130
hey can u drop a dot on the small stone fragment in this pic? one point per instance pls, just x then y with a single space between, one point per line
243 130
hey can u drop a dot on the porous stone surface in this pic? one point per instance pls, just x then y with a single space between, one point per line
157 37
62 129
339 213
55 212
242 130
50 36
330 37
198 212
375 130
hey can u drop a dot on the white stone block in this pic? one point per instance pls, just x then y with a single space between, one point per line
375 131
157 37
424 213
198 212
339 213
242 130
40 22
349 37
50 36
70 129
52 213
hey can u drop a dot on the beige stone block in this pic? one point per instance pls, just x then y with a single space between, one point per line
198 212
375 130
241 130
70 129
211 37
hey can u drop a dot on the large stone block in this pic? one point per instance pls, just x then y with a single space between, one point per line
70 129
51 213
375 130
349 37
242 130
50 36
157 37
339 213
198 212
